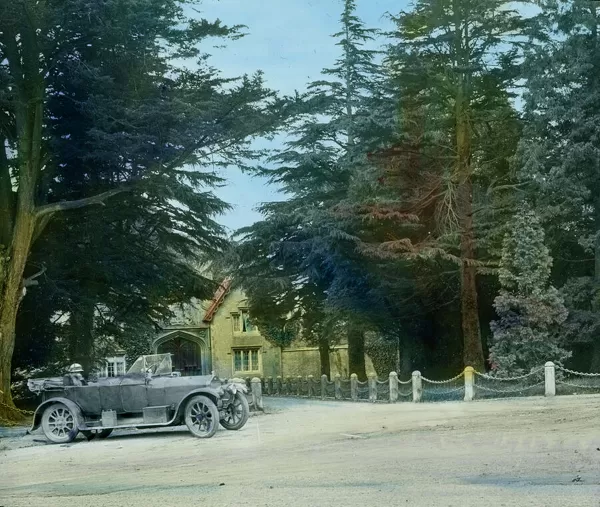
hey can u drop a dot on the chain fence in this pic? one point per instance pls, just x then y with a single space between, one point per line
452 389
27 415
490 386
481 386
569 382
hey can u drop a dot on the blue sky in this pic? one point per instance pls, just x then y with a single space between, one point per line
290 41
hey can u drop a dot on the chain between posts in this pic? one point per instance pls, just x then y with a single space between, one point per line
508 391
509 379
580 373
9 423
578 386
460 375
21 411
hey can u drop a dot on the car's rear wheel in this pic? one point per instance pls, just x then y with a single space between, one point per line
59 424
201 417
237 413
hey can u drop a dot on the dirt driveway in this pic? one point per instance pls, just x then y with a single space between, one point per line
528 452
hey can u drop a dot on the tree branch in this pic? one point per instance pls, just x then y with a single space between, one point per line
29 281
42 211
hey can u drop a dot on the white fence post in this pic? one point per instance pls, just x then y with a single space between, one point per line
417 386
338 387
257 399
469 383
354 387
550 378
310 386
372 388
323 386
393 387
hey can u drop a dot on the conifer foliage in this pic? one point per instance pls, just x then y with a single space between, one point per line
530 309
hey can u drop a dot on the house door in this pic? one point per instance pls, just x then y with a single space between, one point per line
187 355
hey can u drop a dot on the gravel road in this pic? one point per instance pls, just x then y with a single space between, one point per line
525 452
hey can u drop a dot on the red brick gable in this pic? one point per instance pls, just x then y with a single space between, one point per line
217 299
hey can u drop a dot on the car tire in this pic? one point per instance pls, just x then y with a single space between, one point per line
237 413
59 424
201 416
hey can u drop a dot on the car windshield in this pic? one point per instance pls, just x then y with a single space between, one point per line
158 364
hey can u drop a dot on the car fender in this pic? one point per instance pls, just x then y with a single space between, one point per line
73 407
213 394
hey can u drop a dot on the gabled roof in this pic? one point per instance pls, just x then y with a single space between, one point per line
217 299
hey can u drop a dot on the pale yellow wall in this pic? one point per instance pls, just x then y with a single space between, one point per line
296 360
223 340
305 361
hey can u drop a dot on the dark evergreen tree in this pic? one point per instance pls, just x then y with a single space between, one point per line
530 310
455 63
94 107
560 155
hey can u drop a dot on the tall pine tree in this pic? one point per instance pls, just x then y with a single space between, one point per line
348 115
455 61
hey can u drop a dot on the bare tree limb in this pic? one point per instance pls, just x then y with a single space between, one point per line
31 280
55 207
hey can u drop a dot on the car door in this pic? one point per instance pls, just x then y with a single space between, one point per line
133 393
155 391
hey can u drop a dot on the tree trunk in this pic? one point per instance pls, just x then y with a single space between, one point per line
472 346
81 336
595 363
324 357
406 355
356 354
12 268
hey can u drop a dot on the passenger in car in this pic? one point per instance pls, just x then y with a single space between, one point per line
74 377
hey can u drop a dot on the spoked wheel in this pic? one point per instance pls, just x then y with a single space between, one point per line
237 413
201 417
59 424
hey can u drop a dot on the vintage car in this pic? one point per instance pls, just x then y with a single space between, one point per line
149 395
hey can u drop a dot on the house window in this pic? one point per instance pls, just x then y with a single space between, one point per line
114 367
248 327
246 360
235 317
242 323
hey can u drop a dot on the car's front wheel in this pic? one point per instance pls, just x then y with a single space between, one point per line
237 413
201 416
59 424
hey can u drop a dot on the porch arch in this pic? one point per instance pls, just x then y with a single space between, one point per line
191 355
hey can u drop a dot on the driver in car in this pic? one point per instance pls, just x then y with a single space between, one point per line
75 377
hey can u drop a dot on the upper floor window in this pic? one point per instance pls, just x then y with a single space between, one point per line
242 323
